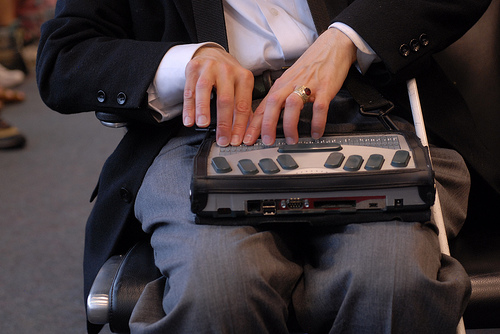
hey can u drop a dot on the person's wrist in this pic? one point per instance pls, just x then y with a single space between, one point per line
206 47
344 42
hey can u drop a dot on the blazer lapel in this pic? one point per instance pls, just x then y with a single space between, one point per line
209 21
204 20
320 15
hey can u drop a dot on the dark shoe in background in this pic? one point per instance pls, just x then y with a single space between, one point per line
10 137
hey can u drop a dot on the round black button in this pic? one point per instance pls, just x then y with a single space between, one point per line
404 50
101 96
414 45
126 195
424 40
121 98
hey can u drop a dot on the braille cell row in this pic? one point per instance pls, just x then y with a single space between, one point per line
389 142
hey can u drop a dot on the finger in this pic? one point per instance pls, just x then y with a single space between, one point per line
225 107
270 117
242 108
193 72
291 116
203 94
227 88
200 81
252 132
320 114
188 109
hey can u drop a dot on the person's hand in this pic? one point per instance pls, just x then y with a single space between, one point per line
323 69
212 67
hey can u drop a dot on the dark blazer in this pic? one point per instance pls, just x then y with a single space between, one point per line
103 55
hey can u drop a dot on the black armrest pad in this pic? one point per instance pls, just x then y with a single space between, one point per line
484 306
136 271
111 120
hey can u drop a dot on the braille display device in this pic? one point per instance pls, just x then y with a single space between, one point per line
340 178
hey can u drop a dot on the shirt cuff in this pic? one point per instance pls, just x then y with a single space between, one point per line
365 55
165 94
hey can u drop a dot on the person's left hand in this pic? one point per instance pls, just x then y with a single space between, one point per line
323 69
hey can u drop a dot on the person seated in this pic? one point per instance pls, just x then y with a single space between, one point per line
150 62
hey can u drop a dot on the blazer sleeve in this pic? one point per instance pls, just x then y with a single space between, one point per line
102 55
404 33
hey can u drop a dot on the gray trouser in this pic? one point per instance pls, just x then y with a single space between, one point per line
384 277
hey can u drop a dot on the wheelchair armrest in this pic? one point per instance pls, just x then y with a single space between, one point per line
118 286
110 120
486 288
484 304
98 301
477 248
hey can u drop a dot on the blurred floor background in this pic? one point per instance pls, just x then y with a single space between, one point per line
44 203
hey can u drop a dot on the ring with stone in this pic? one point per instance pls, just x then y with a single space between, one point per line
303 92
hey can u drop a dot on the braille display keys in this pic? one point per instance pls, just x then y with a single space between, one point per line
352 177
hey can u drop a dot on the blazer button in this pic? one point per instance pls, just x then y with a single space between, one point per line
404 50
121 98
126 195
101 96
424 40
414 45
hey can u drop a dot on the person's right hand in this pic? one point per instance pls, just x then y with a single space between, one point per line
212 67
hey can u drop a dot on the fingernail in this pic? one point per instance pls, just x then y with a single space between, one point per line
223 141
188 121
247 139
235 140
202 120
316 135
267 140
290 141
